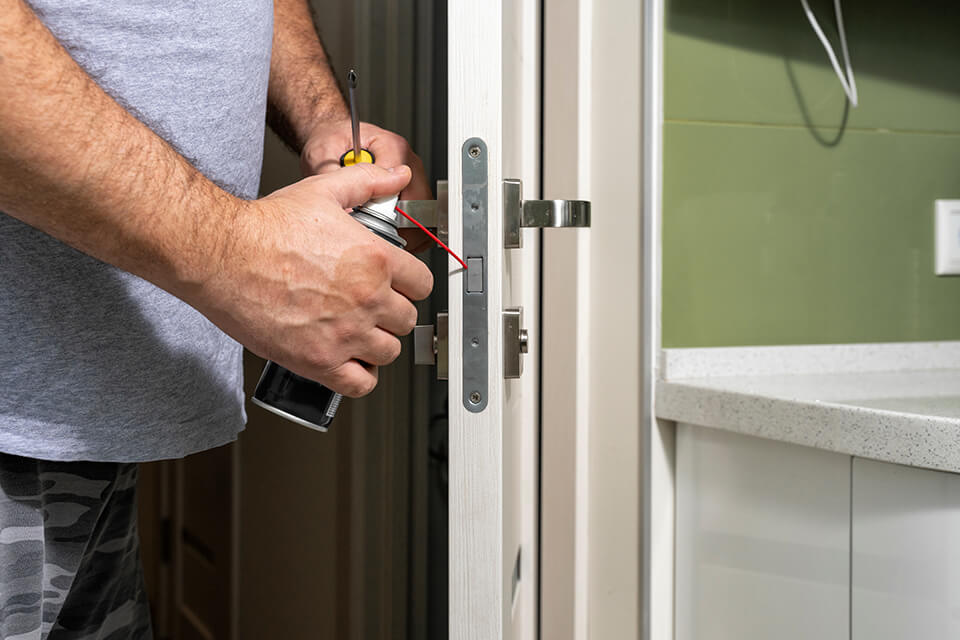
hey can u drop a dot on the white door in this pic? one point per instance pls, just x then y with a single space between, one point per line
494 134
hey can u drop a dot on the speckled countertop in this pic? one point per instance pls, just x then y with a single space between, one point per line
894 402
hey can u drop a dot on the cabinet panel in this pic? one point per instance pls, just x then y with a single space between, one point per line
763 539
906 553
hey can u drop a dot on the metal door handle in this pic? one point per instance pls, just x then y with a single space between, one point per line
555 213
519 213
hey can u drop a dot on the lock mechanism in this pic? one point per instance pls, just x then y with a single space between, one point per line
431 344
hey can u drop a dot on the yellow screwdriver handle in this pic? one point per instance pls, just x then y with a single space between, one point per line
348 159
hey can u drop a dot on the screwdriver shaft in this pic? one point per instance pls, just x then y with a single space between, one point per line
354 118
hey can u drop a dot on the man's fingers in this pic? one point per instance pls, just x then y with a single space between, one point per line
377 348
354 185
411 277
353 379
397 315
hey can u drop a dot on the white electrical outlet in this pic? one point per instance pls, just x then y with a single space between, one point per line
947 237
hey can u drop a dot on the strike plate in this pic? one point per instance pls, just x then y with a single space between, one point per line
476 335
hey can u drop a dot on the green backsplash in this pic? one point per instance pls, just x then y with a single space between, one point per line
788 219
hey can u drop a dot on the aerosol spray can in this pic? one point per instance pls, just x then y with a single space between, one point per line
300 399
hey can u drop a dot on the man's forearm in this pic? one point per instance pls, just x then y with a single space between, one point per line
303 89
76 165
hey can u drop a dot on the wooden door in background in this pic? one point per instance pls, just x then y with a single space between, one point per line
188 517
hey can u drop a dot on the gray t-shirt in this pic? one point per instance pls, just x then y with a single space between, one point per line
98 364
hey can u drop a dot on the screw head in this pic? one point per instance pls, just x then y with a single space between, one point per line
475 397
474 151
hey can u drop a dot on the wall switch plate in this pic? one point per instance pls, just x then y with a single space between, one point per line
947 237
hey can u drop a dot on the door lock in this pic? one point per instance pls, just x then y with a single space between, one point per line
431 344
519 213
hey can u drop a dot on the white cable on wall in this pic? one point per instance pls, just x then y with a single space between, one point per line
846 79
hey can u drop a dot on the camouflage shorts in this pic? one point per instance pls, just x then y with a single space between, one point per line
69 552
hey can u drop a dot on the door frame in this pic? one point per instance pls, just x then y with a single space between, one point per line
659 437
594 294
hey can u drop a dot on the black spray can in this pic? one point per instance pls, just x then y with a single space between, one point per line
299 399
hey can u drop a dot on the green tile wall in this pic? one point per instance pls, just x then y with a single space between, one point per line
785 220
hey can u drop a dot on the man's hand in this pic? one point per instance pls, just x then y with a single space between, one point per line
306 109
329 140
308 287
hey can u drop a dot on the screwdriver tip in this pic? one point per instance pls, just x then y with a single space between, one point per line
352 79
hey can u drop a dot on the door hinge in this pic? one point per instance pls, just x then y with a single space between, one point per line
431 345
541 214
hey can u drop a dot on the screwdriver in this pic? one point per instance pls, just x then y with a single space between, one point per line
351 157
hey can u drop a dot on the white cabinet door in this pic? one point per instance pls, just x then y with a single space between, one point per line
906 553
763 532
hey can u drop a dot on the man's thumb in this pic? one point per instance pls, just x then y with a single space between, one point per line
354 185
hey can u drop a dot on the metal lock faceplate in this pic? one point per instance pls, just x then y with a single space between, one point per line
473 159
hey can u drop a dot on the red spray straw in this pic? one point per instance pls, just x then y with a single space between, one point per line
433 237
